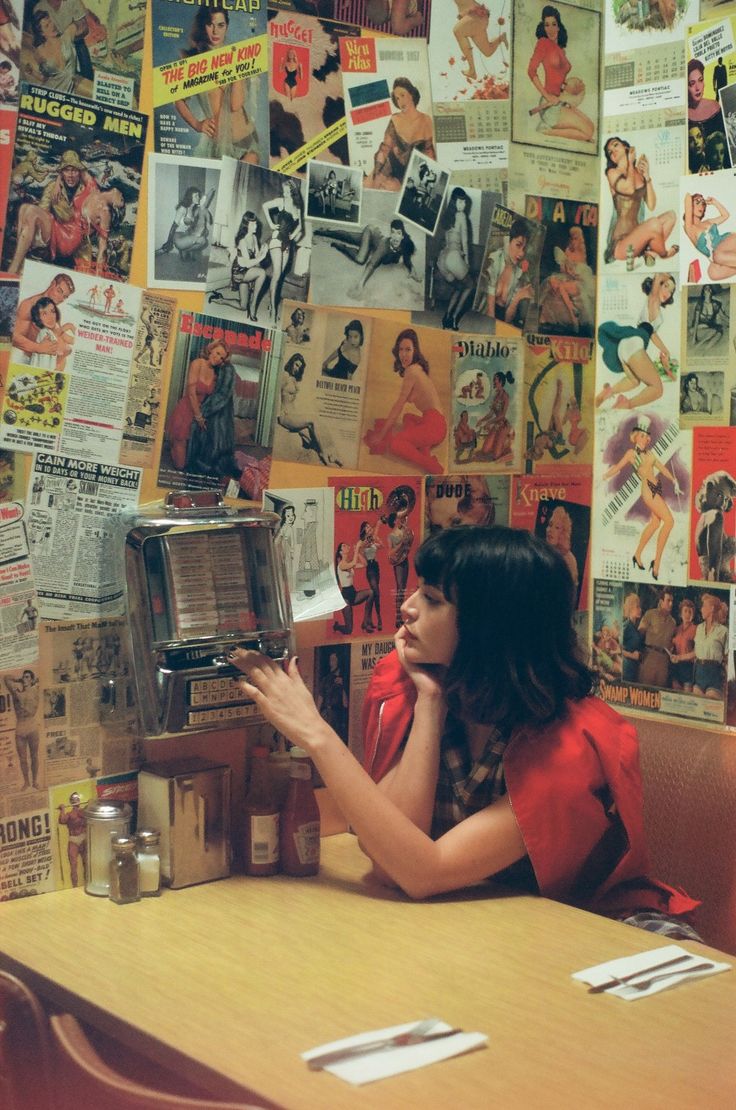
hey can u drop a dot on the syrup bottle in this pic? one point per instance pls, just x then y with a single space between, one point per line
300 819
261 847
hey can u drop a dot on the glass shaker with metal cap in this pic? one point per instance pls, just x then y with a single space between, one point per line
149 861
124 876
105 819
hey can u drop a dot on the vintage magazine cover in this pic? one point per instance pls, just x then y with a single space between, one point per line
306 537
220 407
324 367
648 645
209 79
10 51
470 62
713 508
487 390
707 383
261 246
710 228
75 184
555 506
306 94
388 107
8 120
710 103
407 18
181 194
19 617
451 499
555 94
154 332
642 478
99 51
508 289
567 265
377 531
558 401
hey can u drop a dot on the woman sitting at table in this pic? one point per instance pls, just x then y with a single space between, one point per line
492 758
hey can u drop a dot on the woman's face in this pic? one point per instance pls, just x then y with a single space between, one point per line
430 627
497 382
218 355
406 352
699 206
692 385
402 98
635 610
707 607
556 534
517 249
353 337
695 85
47 27
395 238
687 614
49 315
615 151
289 515
196 197
551 27
215 29
460 204
342 551
665 287
251 226
640 440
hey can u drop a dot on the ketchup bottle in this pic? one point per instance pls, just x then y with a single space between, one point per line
300 819
261 846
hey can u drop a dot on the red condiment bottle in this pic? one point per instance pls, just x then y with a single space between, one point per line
261 844
300 820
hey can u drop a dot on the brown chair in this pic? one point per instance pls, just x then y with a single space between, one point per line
25 1056
84 1078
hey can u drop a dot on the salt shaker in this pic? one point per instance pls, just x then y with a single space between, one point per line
104 819
124 882
149 862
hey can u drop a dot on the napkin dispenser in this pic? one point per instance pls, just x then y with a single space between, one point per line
189 801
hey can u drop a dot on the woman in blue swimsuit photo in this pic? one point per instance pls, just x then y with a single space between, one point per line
719 247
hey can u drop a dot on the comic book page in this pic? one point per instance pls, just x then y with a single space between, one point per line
713 512
451 499
181 193
322 385
154 332
508 288
558 398
92 49
220 407
209 80
487 387
567 265
709 370
711 69
707 209
306 95
262 244
556 62
76 180
377 531
306 537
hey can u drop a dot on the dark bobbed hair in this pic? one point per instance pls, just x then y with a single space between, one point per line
411 335
517 659
611 139
450 213
648 284
198 43
355 325
298 312
248 217
407 243
41 303
405 83
188 196
291 367
693 64
519 229
548 10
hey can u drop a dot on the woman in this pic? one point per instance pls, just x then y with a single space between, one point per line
700 110
494 425
413 439
683 648
286 217
647 466
291 73
625 348
718 248
367 550
708 313
45 315
212 442
247 274
407 130
285 538
327 193
187 413
558 534
505 290
694 398
345 359
400 542
370 248
345 570
632 640
567 298
471 30
55 55
492 759
711 644
293 421
453 261
297 330
332 699
556 115
632 191
219 115
190 230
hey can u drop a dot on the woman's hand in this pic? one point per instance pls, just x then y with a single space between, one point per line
207 127
428 680
280 695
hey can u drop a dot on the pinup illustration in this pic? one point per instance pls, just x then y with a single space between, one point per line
417 434
567 296
291 73
649 471
632 233
557 114
313 436
367 551
471 32
347 560
716 248
408 129
625 349
345 359
705 115
494 431
566 527
553 436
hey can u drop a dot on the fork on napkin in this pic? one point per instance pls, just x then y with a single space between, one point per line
631 977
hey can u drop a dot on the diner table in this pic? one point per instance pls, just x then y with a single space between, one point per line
228 982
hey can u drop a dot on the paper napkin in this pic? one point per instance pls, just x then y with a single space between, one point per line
663 978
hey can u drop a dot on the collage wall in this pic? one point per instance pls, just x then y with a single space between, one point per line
483 270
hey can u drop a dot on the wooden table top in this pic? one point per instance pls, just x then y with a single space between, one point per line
229 981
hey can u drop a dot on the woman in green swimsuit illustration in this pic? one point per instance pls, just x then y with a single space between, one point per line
719 247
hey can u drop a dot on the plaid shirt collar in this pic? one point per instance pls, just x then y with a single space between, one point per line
465 786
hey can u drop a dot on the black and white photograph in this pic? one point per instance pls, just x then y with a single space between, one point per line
181 195
727 97
423 192
333 193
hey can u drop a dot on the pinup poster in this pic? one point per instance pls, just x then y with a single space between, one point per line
453 262
388 107
711 69
261 244
322 385
631 24
710 378
76 179
407 396
378 264
566 265
103 64
713 509
555 507
306 537
708 208
487 388
377 531
558 400
181 194
209 79
508 288
638 348
451 499
639 196
555 96
650 677
306 98
220 407
642 476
